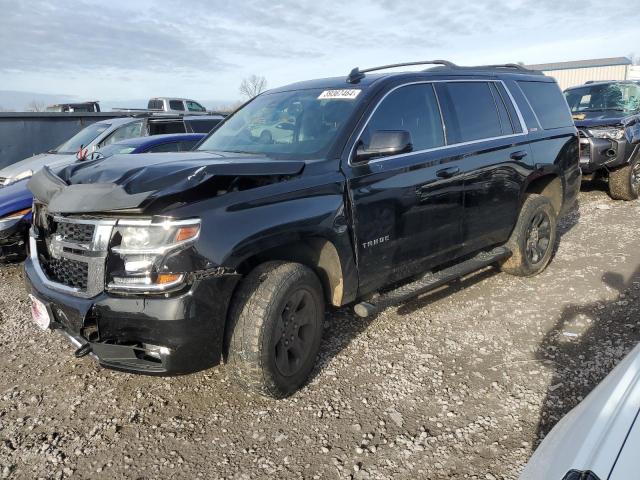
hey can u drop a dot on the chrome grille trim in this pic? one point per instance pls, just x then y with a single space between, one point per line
93 254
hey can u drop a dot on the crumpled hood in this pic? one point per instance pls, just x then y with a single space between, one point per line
599 118
129 181
36 162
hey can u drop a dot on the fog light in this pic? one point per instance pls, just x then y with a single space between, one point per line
155 351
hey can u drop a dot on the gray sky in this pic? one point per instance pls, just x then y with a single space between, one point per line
203 48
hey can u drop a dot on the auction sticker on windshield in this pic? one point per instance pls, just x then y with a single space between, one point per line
39 313
345 94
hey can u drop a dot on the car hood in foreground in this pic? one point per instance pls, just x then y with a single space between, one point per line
591 436
133 181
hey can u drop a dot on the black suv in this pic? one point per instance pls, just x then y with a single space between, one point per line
366 190
601 111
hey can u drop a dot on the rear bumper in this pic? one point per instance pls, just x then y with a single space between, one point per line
154 335
602 153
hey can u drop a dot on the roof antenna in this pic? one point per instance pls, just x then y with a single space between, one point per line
355 76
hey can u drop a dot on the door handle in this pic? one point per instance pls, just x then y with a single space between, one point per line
448 172
519 155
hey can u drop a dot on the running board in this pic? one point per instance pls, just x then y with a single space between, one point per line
431 281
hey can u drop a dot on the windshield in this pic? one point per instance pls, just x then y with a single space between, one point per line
83 138
621 97
299 124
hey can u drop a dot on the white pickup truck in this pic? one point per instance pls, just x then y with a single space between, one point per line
171 105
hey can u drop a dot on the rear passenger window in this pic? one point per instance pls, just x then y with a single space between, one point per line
548 103
470 112
413 108
163 127
176 105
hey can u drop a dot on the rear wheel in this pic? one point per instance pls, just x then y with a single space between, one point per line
624 182
533 238
276 328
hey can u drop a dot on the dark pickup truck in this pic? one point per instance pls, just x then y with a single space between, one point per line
366 190
603 113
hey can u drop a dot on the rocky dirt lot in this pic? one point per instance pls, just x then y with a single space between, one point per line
459 384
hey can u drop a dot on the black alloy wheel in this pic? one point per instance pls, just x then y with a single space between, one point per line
538 237
295 332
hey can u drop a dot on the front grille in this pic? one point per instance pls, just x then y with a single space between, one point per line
71 252
65 271
75 232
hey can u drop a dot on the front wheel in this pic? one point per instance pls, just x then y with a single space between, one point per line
276 327
624 182
533 238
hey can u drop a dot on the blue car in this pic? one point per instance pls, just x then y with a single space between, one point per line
15 218
173 142
16 199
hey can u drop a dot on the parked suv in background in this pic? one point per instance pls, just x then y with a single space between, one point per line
106 132
600 111
390 185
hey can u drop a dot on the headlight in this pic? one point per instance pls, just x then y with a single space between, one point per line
608 133
17 178
138 250
14 217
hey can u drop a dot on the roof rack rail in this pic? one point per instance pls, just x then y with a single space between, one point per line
515 66
356 74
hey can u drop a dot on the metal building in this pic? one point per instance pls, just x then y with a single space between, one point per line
569 74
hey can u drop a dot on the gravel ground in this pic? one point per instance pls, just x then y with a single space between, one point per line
461 383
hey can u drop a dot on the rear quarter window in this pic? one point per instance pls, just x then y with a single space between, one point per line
548 103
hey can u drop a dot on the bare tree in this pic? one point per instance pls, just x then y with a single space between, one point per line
253 86
230 108
35 106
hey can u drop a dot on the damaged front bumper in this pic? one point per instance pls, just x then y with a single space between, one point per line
603 153
155 335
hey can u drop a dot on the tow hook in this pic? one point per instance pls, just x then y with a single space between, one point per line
83 351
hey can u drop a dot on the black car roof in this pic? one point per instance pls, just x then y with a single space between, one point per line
368 79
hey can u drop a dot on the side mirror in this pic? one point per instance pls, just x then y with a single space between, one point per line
385 143
632 130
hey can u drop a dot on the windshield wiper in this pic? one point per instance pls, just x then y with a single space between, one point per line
52 151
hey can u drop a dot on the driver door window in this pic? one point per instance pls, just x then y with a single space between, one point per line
413 108
195 107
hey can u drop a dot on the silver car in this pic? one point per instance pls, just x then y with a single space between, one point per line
106 132
600 438
90 138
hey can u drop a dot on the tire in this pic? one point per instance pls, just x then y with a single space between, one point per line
276 323
533 239
624 182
